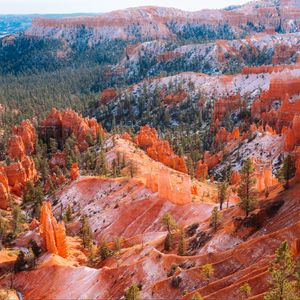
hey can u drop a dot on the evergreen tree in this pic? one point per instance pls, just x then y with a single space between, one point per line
283 277
86 233
169 222
3 230
181 248
287 171
222 193
132 293
168 242
214 218
53 146
69 214
104 251
246 190
17 219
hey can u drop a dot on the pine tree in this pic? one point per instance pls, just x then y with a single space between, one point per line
132 293
168 242
17 219
214 218
86 233
104 251
283 277
69 214
287 171
222 193
169 222
53 146
246 191
181 248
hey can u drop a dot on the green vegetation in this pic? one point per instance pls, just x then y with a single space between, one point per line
132 293
283 276
287 171
246 190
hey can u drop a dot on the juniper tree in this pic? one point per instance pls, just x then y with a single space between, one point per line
245 290
222 193
246 190
86 233
208 271
181 248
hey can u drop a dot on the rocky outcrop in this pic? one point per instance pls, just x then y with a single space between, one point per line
159 150
16 148
107 95
60 125
53 233
74 173
28 134
201 170
4 189
227 105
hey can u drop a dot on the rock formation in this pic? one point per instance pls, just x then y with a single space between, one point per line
159 150
60 125
177 189
74 173
201 170
4 189
53 233
107 95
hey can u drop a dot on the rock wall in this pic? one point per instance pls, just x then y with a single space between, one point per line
159 150
60 125
177 189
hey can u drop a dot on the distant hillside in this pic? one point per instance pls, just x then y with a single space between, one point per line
12 24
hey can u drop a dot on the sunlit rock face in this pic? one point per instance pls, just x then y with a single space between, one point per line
201 170
159 150
74 173
52 232
4 189
60 125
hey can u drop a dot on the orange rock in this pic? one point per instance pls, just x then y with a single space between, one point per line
126 136
107 95
4 189
16 147
201 170
211 160
27 132
53 233
235 178
194 190
159 150
176 97
34 224
74 173
235 134
227 105
63 124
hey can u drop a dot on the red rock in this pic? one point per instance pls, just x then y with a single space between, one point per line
34 224
235 134
126 136
74 173
16 148
175 97
58 159
27 132
235 178
201 170
107 95
227 105
69 122
159 150
194 190
4 189
211 160
53 233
